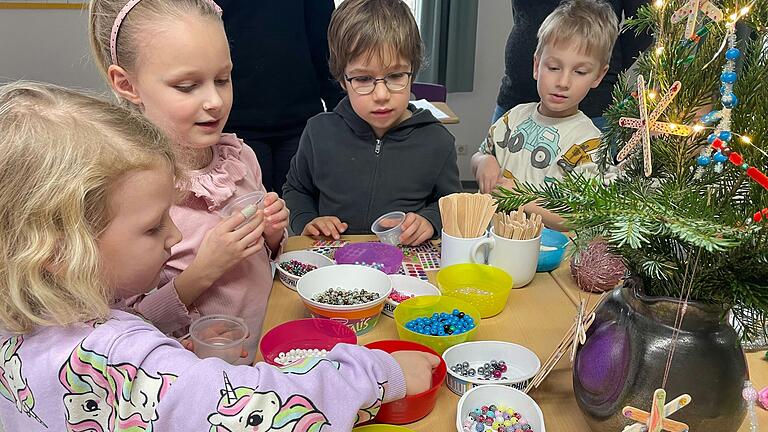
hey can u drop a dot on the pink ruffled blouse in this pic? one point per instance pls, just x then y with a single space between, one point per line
244 290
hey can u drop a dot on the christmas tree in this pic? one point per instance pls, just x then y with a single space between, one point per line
686 207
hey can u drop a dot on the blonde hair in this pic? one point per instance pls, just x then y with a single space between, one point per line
372 28
590 24
146 16
62 151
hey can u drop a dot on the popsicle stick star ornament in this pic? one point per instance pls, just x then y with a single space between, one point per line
656 420
648 123
691 11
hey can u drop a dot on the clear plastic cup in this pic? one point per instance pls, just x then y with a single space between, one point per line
220 336
388 227
238 204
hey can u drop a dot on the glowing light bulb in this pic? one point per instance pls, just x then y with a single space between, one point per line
746 139
659 50
659 4
744 10
698 128
652 95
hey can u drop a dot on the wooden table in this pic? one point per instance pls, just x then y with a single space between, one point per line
536 316
452 117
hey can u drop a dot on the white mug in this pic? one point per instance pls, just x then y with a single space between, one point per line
456 250
516 257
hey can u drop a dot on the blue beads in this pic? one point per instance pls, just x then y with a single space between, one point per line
728 77
725 135
710 118
703 160
711 138
719 157
729 100
442 324
732 54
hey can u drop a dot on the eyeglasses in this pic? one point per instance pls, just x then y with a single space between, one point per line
366 84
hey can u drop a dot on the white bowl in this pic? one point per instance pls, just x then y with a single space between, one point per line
522 364
499 394
305 256
408 285
345 276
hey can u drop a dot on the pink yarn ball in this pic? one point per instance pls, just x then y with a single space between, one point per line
595 269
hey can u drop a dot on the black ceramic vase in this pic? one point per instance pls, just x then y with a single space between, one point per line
623 361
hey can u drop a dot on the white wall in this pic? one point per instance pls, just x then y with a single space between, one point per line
52 46
47 45
494 19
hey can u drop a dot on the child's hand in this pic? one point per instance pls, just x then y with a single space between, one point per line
329 226
416 230
506 183
488 173
225 245
276 214
417 367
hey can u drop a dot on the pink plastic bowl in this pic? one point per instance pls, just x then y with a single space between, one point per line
304 334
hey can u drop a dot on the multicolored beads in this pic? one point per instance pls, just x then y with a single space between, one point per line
341 297
294 355
400 297
442 324
297 268
377 266
492 370
496 418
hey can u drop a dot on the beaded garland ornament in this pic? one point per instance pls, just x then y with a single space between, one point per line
719 151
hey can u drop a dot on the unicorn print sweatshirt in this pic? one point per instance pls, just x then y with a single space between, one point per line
124 375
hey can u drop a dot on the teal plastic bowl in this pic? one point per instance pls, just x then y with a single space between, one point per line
551 259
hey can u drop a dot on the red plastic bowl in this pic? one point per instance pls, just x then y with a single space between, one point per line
414 407
305 334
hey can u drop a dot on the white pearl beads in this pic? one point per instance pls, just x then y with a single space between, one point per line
294 355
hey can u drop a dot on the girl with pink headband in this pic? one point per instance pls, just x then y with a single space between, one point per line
169 59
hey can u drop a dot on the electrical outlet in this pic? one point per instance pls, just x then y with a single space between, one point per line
461 149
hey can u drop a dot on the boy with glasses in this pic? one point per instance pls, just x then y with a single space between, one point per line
374 153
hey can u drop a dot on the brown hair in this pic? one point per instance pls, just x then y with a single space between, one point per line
62 151
372 28
590 24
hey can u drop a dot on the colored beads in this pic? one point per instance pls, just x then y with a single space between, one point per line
294 355
377 266
732 54
400 297
297 268
442 324
342 297
491 370
728 77
495 418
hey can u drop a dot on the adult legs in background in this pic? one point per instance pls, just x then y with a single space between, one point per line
264 154
274 154
283 149
497 113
